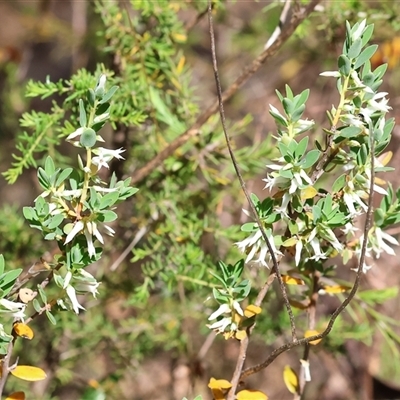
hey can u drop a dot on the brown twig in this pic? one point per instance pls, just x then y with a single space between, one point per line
246 73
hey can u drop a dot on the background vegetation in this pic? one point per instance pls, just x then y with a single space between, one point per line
145 336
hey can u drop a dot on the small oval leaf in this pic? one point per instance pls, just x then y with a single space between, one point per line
88 138
290 280
291 380
310 333
251 395
16 396
23 330
28 373
252 310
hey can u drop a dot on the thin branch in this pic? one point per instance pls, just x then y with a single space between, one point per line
138 237
281 24
246 73
347 300
275 263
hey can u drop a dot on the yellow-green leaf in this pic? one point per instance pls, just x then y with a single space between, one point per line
179 37
308 193
23 330
219 384
16 396
291 380
28 373
240 334
312 332
251 395
385 157
290 280
335 289
252 310
290 242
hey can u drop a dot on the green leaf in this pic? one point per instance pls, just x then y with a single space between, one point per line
55 221
1 264
344 65
7 280
42 293
349 132
288 106
109 94
301 98
380 71
279 118
108 216
49 166
297 113
63 176
365 55
339 183
367 34
355 49
108 200
91 97
301 147
88 138
43 178
248 227
36 305
310 159
82 114
51 318
362 155
289 92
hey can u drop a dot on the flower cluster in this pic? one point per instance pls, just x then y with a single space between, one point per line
309 216
76 205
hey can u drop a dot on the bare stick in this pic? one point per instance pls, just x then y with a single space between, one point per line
138 237
246 73
275 263
278 29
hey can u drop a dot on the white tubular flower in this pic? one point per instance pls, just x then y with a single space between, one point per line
349 229
299 248
381 245
334 74
302 125
318 255
283 207
89 229
86 283
221 325
76 134
237 308
14 308
223 308
79 225
72 296
350 196
104 156
256 245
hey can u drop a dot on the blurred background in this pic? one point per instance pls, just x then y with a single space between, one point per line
157 346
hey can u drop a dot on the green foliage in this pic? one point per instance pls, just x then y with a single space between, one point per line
149 101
